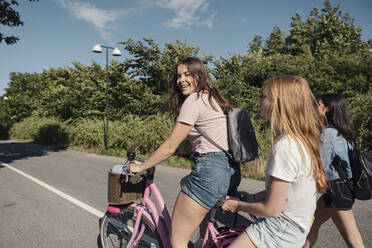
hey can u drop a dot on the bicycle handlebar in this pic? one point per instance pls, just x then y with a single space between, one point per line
131 158
220 202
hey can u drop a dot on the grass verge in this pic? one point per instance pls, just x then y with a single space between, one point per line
254 169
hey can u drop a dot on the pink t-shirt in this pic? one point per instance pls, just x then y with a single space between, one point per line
197 111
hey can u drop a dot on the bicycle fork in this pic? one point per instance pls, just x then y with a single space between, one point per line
137 217
136 226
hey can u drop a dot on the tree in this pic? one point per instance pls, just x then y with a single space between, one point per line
10 17
23 93
257 43
326 31
275 42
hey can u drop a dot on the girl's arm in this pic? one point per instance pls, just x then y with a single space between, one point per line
272 206
326 151
166 150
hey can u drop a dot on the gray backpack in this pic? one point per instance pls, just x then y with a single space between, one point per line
242 140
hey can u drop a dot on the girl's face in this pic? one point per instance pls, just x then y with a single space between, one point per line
185 81
266 105
321 108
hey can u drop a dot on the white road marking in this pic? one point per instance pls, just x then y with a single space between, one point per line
58 192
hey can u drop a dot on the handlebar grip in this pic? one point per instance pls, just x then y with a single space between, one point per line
131 155
149 173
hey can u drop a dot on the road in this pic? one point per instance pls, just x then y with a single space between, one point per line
54 198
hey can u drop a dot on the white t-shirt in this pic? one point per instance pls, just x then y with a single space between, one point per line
285 163
197 111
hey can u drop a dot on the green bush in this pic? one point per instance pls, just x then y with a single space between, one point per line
26 129
41 130
53 134
87 133
360 107
140 134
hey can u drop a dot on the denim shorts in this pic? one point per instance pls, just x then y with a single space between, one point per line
211 178
339 194
276 232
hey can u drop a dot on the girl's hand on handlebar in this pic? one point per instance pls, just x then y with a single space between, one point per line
231 204
135 168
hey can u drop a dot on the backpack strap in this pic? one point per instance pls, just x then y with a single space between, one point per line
205 135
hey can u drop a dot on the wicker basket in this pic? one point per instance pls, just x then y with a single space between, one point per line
121 192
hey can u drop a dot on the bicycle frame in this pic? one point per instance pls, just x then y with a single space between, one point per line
149 210
221 238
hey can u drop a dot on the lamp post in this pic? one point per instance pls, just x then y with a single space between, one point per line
4 98
116 52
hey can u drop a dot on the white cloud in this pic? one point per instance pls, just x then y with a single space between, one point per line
90 13
188 13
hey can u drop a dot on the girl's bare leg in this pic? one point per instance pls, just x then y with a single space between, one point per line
321 216
346 225
186 217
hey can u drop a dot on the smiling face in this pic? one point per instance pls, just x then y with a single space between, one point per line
185 81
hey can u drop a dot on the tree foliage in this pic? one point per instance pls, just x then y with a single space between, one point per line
257 43
275 42
325 31
11 18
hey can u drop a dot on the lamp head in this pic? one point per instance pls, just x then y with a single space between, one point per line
116 52
97 49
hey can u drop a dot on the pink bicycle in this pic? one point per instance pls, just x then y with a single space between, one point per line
143 224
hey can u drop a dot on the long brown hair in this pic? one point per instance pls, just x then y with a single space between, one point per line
203 84
294 112
337 114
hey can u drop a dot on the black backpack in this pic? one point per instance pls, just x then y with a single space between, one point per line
361 167
243 146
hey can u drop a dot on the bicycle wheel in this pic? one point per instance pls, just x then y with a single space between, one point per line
116 230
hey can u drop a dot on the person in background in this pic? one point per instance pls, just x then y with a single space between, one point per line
338 201
196 101
294 172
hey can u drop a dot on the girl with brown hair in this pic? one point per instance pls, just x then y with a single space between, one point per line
338 201
196 101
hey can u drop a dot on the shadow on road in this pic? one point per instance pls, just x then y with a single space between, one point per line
10 150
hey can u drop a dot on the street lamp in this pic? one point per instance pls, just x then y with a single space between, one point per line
4 98
116 52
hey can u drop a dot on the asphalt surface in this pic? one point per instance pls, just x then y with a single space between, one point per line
54 198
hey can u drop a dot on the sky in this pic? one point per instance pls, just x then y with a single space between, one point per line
59 32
